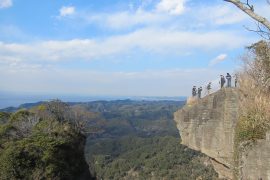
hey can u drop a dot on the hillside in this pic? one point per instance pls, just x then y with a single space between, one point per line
132 157
144 118
125 140
41 143
139 140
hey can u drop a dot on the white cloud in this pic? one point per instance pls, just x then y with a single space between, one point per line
122 20
155 41
127 19
218 59
67 10
219 14
175 7
140 16
139 83
5 3
199 16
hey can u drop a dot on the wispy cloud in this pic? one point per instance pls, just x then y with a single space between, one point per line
220 14
127 19
175 7
66 11
5 3
163 14
218 59
139 83
153 41
9 32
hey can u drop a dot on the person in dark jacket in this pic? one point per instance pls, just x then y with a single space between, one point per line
208 87
229 80
222 81
200 92
194 91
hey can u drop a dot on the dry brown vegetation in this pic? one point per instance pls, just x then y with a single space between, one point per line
254 92
191 101
254 81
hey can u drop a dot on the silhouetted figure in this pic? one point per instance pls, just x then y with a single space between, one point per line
194 91
208 87
235 80
229 80
199 92
222 81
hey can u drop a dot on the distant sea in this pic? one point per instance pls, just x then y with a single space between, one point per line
15 99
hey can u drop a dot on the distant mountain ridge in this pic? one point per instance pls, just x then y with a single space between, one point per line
147 99
8 100
22 106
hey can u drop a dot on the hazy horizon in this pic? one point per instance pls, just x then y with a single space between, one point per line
16 99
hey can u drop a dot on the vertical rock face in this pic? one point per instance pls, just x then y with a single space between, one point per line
208 126
255 160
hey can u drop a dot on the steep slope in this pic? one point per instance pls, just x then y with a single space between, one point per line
208 126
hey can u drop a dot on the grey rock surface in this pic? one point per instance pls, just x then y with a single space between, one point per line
208 126
255 160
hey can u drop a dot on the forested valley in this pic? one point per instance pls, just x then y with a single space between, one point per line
125 140
139 140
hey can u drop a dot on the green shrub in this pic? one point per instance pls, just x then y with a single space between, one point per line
51 149
246 130
4 117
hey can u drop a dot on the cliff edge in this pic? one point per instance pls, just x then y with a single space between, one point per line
208 126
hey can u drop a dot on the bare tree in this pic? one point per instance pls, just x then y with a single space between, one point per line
59 110
263 24
81 117
23 121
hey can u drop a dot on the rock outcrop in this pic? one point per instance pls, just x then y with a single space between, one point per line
255 160
208 126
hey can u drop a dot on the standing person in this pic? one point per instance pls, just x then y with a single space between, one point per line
235 80
222 81
194 91
199 92
229 80
208 87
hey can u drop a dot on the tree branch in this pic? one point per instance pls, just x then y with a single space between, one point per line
250 6
248 9
260 31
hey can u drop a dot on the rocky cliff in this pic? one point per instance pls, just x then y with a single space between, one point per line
255 160
208 126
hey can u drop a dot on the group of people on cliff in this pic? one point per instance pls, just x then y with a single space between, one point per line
223 80
229 80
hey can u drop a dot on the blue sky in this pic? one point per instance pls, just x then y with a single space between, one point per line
120 47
